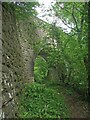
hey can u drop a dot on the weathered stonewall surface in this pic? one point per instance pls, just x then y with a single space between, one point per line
18 57
12 63
0 59
27 37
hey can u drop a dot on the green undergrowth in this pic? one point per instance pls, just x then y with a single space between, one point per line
59 87
63 89
39 101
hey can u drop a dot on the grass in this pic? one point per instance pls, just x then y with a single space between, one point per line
40 101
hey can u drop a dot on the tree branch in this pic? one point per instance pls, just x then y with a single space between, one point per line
74 18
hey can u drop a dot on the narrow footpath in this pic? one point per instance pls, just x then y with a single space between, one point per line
78 107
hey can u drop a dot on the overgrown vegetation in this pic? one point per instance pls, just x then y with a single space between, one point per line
38 101
65 51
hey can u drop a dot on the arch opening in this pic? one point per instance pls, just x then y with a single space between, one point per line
40 69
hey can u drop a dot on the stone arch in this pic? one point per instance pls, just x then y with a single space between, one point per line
43 54
52 74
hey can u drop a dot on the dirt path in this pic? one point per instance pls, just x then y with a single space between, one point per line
78 107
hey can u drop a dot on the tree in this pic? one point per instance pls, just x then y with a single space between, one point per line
69 49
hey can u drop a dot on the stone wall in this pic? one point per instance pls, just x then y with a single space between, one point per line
28 37
12 63
53 75
18 57
0 59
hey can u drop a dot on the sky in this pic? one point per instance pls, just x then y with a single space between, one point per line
46 15
47 3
